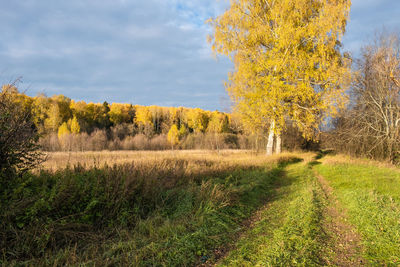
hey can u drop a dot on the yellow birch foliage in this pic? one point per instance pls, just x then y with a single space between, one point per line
63 130
287 59
182 131
218 122
143 116
197 119
173 135
53 120
120 113
75 127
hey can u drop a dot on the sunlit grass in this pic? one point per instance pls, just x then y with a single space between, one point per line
177 208
371 196
289 232
59 160
142 208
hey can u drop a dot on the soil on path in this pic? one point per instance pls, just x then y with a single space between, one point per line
344 243
223 251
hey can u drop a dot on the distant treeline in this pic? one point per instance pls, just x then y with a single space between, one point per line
60 114
68 125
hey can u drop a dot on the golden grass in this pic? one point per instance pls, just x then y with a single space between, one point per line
225 158
346 159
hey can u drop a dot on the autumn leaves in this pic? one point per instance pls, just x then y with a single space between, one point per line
288 66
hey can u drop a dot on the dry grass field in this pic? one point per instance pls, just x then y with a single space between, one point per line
222 158
346 159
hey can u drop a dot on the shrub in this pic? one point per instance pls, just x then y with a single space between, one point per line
18 136
98 140
140 142
159 142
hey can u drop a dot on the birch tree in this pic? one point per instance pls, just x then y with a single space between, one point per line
288 64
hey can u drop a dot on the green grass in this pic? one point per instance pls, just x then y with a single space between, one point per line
117 216
371 196
179 214
289 232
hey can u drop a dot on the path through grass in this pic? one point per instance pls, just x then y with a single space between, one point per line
371 196
252 211
302 226
289 232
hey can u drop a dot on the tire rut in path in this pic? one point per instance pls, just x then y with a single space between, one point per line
221 252
344 244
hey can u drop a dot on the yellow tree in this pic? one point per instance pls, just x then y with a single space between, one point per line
197 119
79 111
182 131
39 111
116 113
144 120
53 120
63 136
218 122
287 60
75 127
63 130
173 135
143 116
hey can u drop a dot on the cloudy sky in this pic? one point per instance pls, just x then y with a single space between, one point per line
149 52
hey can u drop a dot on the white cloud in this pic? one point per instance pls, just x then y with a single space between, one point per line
137 51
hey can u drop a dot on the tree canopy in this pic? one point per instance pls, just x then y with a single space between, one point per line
288 64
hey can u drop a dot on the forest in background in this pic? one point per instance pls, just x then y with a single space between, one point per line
67 125
368 126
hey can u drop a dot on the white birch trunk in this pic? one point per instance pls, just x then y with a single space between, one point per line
270 144
278 148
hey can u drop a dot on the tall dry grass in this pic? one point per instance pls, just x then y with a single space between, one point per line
221 159
347 159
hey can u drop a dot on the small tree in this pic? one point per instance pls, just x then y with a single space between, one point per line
183 131
75 127
173 135
63 130
18 136
64 136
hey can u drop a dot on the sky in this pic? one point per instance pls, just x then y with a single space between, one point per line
147 52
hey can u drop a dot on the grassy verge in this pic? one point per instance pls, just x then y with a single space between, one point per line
171 212
371 196
290 231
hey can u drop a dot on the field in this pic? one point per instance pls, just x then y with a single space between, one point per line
186 208
59 160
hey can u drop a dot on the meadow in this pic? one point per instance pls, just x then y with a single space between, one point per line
202 208
89 159
132 208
